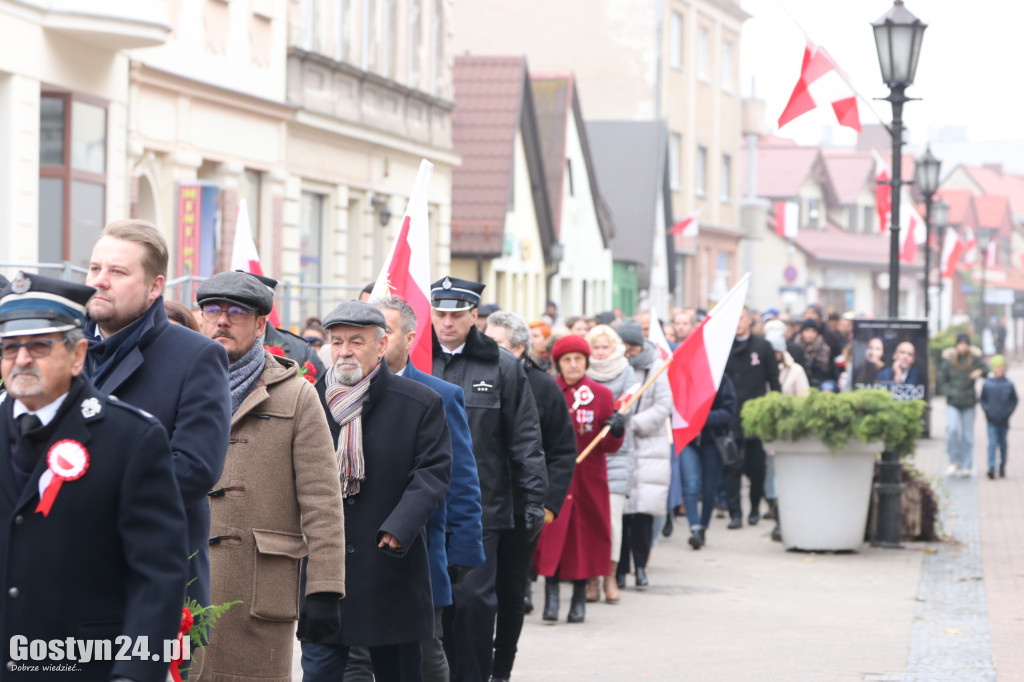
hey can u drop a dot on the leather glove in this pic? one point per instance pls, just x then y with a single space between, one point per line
457 573
618 423
549 516
320 617
533 521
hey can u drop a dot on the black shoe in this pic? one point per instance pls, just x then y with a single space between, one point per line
528 600
578 605
735 522
499 679
550 599
753 518
620 580
992 474
641 577
670 523
1002 471
695 540
777 533
770 514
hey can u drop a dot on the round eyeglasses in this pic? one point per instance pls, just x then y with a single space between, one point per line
236 315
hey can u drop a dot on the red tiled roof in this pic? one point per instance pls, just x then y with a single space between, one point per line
782 169
849 171
552 96
993 212
959 201
995 182
835 244
488 102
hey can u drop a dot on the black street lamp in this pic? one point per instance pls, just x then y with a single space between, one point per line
898 35
940 216
926 173
985 237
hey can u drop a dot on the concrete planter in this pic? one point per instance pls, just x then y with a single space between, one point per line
823 496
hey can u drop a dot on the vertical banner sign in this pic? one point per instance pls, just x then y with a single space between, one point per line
190 205
892 355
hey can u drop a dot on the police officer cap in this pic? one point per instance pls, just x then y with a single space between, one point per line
487 308
355 314
454 294
239 288
36 304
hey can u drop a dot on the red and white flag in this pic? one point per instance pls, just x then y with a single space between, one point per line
699 362
688 226
990 254
656 335
787 219
913 227
970 247
952 250
883 192
821 83
244 255
406 270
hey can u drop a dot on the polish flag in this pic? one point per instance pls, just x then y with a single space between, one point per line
787 219
406 270
699 362
656 335
970 248
687 227
822 83
883 192
990 254
244 255
952 249
913 227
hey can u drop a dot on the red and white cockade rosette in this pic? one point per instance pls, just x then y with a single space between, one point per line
67 460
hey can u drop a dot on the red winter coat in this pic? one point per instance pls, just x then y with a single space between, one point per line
578 543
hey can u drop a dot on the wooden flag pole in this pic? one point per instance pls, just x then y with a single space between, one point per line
624 409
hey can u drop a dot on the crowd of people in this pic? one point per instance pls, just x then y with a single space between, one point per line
389 514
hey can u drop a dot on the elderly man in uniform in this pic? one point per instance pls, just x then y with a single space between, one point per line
177 376
92 529
509 457
395 458
278 500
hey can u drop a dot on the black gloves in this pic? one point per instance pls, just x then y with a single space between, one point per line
320 617
533 521
618 423
458 573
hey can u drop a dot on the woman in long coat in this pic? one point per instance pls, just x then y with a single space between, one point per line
577 544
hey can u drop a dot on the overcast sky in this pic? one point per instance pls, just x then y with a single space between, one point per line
968 75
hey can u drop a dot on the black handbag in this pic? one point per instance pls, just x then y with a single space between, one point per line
728 449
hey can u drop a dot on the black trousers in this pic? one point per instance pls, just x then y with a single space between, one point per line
752 463
637 530
393 663
515 554
435 665
469 621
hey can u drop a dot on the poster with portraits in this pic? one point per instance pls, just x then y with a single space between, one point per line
892 355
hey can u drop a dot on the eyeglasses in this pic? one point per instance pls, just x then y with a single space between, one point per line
236 315
37 348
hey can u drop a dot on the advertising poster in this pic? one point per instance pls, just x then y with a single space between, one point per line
198 228
892 355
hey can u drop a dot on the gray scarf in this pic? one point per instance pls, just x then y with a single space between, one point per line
645 358
244 373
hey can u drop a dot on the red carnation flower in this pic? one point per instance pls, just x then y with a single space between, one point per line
275 350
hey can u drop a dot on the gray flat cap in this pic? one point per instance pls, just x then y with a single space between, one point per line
631 332
355 314
239 288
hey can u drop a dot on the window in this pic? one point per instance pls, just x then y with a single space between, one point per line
311 230
702 170
72 177
675 41
727 66
813 213
346 36
249 189
869 219
414 68
388 38
437 49
368 55
674 146
726 189
703 67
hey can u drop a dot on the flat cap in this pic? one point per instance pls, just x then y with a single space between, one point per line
237 287
36 304
454 294
631 332
355 314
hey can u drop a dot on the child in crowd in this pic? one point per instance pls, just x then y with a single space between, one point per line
998 400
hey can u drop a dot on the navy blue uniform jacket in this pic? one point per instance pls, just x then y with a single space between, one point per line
460 514
110 558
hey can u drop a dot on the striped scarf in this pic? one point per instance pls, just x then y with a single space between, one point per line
346 405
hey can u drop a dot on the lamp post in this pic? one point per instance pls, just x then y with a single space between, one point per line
986 235
898 35
926 173
940 216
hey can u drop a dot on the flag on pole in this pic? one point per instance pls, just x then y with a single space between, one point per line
406 270
913 227
822 83
883 192
687 227
699 362
656 335
970 248
787 219
952 249
244 255
990 254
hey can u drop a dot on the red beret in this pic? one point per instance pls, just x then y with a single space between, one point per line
570 344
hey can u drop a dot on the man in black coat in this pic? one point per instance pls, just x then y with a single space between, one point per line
92 529
753 371
515 548
395 460
509 456
176 375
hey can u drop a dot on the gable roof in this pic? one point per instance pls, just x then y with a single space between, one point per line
848 171
994 213
836 245
960 204
493 104
630 159
781 169
993 181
